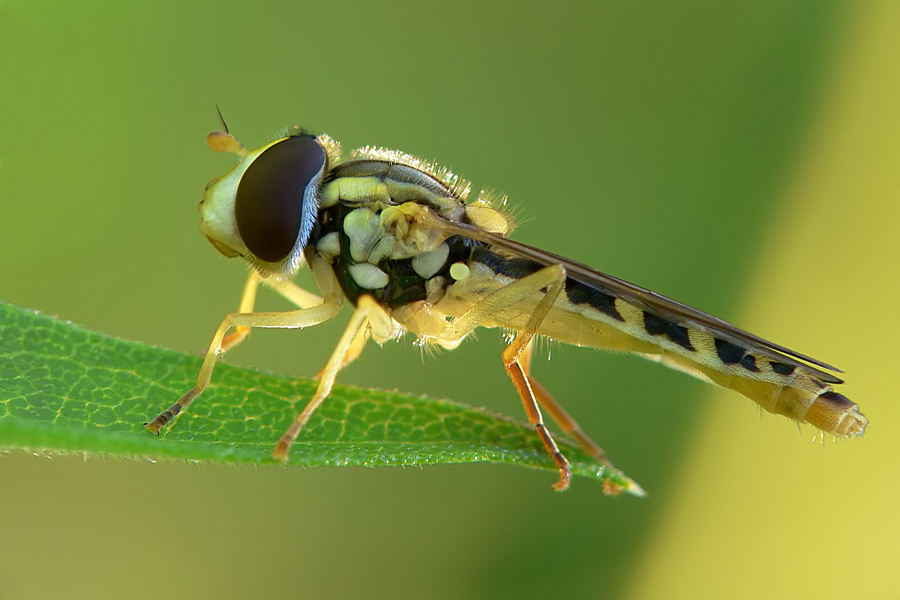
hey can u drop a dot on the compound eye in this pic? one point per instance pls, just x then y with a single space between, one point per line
277 199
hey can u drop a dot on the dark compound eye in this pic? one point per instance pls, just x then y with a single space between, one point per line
277 198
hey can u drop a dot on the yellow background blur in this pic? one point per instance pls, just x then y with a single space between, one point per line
741 158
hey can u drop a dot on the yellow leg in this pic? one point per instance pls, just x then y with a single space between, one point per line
294 293
551 280
295 319
368 315
354 350
248 301
289 290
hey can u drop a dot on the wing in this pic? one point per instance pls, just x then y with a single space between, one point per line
645 299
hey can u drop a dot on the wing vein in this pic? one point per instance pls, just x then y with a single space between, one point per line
644 298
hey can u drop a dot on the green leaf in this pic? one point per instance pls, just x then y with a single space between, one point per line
63 388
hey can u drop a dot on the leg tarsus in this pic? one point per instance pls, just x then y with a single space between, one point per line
569 426
562 463
565 476
244 320
168 415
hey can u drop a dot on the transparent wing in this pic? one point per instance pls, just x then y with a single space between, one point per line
645 299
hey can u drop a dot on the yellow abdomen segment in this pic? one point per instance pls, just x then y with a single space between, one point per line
782 388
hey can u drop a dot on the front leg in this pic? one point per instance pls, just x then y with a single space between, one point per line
295 319
244 321
369 317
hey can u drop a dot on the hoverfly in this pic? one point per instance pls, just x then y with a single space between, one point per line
395 236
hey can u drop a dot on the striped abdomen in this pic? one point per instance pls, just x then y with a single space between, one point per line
586 316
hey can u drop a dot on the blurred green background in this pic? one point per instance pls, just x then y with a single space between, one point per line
739 157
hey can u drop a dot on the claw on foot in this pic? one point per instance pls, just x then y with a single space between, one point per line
565 477
282 451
